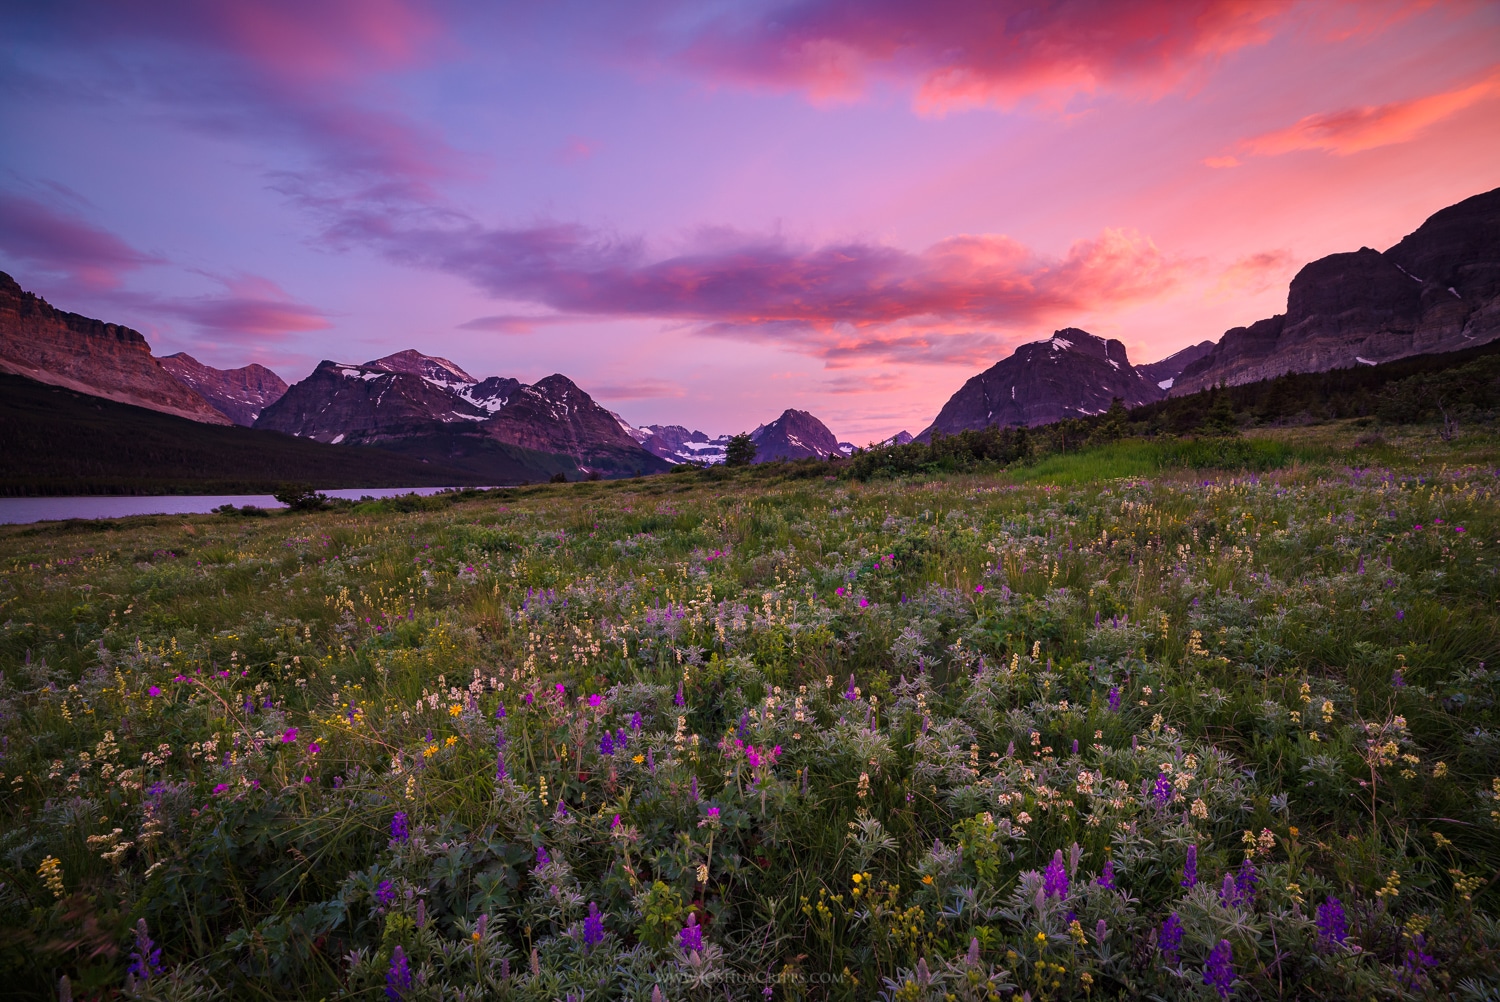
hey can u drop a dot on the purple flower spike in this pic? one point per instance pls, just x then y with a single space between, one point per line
1055 877
691 936
1114 699
1107 876
1169 939
1333 927
399 832
1190 868
1218 973
398 978
593 927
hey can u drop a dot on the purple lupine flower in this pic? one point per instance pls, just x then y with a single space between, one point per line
1055 877
1218 973
849 692
680 700
1229 892
1075 746
1107 875
606 744
145 959
399 832
743 730
1398 680
635 721
562 808
691 936
621 739
593 926
1245 880
1190 867
500 712
1415 963
398 978
1161 790
542 858
501 773
1114 699
385 893
1333 927
1169 939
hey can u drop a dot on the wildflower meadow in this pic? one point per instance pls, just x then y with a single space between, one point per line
1185 734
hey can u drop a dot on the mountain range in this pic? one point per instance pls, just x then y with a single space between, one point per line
1436 290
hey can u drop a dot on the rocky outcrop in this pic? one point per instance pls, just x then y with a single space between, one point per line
239 394
794 435
1437 290
90 356
1071 374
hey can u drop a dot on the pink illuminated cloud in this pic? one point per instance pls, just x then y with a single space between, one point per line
252 309
1353 130
967 53
837 301
89 257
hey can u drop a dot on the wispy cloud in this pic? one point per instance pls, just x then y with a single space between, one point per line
61 244
1256 273
1354 130
638 389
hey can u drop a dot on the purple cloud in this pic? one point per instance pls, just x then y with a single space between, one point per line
85 255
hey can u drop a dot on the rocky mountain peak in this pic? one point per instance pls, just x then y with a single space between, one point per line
413 362
794 435
239 394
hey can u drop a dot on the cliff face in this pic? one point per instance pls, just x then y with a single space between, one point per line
794 435
89 356
1437 290
239 394
1072 374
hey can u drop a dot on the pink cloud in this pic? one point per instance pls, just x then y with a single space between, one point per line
253 309
967 53
637 389
1256 273
836 301
89 257
1353 130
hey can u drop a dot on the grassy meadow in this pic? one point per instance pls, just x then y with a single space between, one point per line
1149 720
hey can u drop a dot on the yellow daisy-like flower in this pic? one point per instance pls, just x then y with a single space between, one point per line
638 759
451 741
455 710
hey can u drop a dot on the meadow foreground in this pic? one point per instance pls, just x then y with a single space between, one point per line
1194 735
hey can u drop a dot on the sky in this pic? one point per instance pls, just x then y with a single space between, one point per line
707 212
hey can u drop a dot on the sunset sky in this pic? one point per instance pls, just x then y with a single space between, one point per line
705 213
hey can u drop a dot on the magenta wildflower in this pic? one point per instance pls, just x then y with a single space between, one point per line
155 690
596 700
864 603
314 748
289 735
979 589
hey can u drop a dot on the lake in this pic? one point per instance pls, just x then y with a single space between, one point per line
14 511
